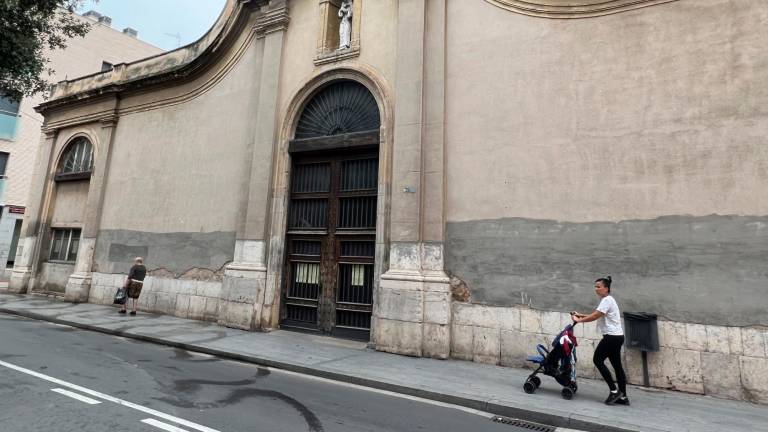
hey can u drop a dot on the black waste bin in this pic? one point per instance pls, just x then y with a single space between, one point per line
642 333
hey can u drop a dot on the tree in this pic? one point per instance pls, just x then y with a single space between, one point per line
27 29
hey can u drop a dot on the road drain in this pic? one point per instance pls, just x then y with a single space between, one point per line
522 424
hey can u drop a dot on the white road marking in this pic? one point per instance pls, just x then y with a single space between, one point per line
76 396
109 398
163 426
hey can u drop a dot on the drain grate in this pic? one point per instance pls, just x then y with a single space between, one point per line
538 427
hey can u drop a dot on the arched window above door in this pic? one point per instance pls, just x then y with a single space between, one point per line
77 160
343 107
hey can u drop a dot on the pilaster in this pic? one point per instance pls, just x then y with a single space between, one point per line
413 313
79 283
28 250
244 301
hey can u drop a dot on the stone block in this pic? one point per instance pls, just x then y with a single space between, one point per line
165 303
589 331
401 305
398 337
550 322
530 321
405 256
514 348
196 307
722 375
734 341
633 366
678 369
213 289
461 341
211 308
486 345
754 379
753 342
717 340
476 315
509 318
437 341
147 301
236 315
437 307
696 337
182 305
672 334
239 290
584 352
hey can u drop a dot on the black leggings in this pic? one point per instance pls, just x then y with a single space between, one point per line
610 348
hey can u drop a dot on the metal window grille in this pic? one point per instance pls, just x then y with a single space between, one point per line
340 108
360 174
308 178
306 281
309 213
353 319
358 249
356 283
64 244
301 313
357 212
78 157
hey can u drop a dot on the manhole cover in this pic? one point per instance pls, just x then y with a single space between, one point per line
538 427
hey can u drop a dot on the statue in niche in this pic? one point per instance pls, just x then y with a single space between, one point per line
345 28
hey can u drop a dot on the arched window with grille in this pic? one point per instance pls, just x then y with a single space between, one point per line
77 161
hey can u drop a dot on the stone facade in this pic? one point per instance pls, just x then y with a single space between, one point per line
523 152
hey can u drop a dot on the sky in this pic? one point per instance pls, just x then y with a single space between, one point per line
160 21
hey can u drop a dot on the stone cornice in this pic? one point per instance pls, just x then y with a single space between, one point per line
167 66
272 21
572 8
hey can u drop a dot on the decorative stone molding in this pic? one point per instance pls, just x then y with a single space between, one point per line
272 21
582 9
109 121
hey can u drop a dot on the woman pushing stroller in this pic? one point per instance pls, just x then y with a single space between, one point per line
608 319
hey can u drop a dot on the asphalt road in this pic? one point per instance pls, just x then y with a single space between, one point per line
55 378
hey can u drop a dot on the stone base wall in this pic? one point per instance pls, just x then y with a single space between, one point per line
183 298
726 362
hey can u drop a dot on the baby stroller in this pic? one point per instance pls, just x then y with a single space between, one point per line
559 363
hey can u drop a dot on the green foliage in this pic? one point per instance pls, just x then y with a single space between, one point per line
27 29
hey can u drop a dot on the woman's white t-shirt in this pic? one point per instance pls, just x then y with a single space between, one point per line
610 323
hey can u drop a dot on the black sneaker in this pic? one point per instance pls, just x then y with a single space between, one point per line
623 400
121 311
133 312
612 398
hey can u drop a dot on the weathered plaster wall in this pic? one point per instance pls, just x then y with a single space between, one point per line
69 205
578 148
708 270
181 254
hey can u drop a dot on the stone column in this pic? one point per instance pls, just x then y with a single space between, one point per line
244 300
413 313
79 283
27 251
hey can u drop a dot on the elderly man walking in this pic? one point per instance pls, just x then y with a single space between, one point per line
134 283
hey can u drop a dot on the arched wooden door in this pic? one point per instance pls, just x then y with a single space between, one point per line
329 274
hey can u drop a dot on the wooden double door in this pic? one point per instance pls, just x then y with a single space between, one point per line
331 243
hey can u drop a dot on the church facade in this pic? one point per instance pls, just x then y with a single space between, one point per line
441 178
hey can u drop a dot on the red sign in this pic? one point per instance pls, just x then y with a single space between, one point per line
14 209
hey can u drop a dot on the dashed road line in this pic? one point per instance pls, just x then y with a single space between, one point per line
109 398
163 426
74 395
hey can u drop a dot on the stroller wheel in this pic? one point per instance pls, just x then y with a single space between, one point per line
574 387
529 387
536 381
567 393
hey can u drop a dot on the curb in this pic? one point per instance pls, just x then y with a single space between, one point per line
550 419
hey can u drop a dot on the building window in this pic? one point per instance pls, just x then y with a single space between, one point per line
9 116
77 162
64 244
3 163
106 66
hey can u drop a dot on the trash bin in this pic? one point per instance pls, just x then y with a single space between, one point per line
642 333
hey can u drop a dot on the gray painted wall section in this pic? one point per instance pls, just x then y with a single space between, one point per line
175 252
710 270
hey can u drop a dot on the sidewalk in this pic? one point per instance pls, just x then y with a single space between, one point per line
488 388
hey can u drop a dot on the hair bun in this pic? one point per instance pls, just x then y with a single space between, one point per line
609 278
